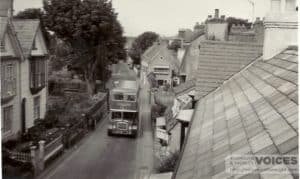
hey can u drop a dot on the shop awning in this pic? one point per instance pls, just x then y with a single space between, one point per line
192 93
160 121
185 115
162 134
185 99
175 107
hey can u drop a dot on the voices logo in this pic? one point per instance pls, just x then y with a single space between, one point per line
268 164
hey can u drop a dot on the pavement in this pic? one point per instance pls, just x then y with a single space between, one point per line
99 156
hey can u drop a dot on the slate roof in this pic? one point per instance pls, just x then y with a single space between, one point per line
184 87
26 30
190 35
190 59
255 112
160 49
3 26
218 61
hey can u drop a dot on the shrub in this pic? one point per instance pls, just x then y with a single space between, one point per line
168 164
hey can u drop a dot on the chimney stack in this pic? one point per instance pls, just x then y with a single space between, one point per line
281 23
223 17
181 33
6 8
216 13
209 17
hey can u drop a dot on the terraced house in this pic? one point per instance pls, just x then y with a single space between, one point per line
159 60
23 72
248 101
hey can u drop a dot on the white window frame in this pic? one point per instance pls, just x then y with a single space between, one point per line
166 69
9 78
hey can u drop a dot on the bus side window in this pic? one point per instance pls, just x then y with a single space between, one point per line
130 97
118 96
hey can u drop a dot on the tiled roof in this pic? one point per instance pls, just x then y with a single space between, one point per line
160 49
26 31
255 112
3 26
184 87
218 61
190 35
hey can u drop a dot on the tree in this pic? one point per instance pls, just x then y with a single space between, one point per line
35 13
141 44
92 32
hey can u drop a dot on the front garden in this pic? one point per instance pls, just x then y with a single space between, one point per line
66 122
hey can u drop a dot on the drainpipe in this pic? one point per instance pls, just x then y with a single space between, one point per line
23 116
182 133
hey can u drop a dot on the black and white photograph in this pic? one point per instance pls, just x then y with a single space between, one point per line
149 89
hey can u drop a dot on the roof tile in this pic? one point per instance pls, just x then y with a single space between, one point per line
253 112
26 31
226 58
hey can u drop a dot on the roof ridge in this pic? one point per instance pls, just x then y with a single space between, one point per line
231 43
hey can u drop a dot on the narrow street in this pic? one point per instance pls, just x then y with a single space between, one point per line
101 156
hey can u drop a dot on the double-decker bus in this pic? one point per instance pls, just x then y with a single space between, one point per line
124 108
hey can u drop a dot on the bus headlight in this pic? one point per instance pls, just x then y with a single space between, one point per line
134 127
111 126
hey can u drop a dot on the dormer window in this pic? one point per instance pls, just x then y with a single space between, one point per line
37 74
290 5
8 80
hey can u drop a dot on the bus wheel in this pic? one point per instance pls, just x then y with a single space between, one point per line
134 135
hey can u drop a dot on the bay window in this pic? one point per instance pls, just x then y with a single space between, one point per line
37 73
7 117
8 79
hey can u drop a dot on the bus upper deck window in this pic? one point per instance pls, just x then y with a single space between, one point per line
130 97
118 96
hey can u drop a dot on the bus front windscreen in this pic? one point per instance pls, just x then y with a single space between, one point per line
116 115
131 116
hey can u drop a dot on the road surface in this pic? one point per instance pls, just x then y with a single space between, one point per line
103 157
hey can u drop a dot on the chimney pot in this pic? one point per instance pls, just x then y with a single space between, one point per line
216 13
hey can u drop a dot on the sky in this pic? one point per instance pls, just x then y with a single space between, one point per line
165 17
